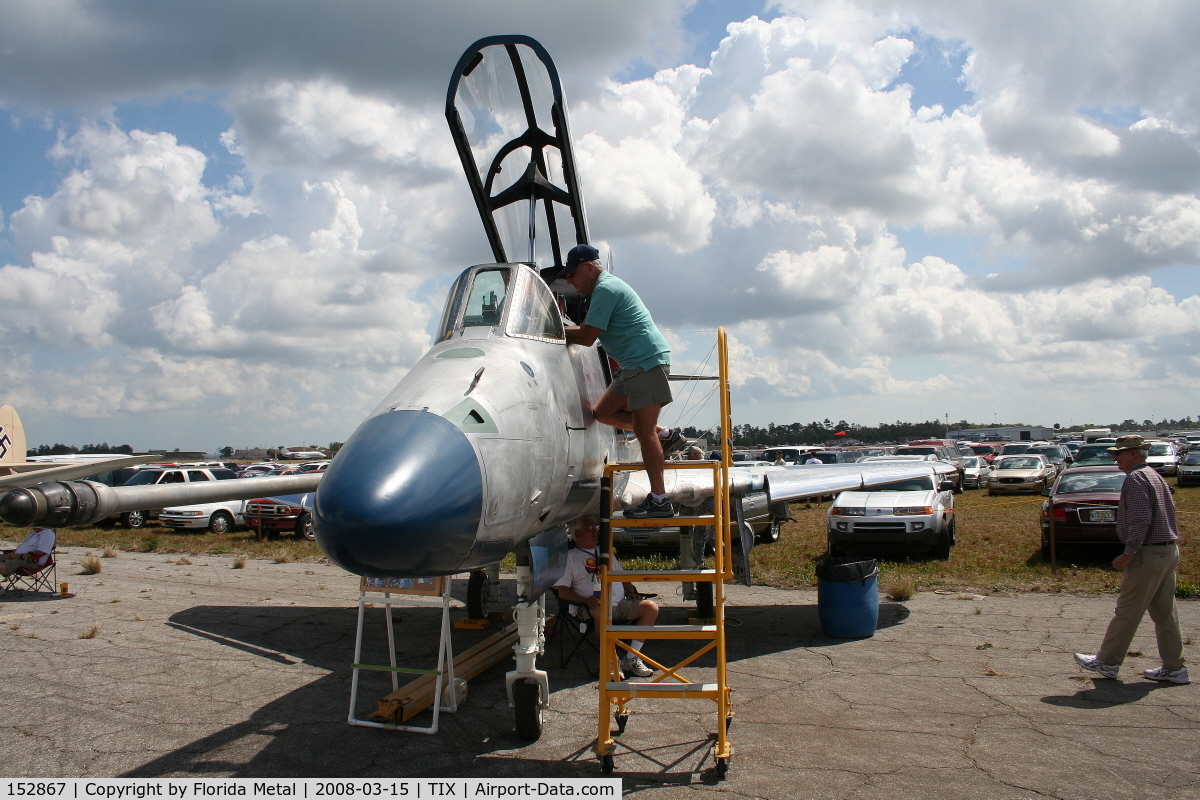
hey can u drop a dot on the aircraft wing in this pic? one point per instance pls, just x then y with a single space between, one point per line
693 487
30 472
509 121
85 502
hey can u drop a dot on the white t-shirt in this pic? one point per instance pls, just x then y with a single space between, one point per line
38 541
582 575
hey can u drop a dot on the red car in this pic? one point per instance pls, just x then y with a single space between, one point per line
1083 503
985 451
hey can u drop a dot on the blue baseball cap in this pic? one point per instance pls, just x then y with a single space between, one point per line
579 254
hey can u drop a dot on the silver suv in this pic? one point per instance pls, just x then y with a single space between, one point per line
908 513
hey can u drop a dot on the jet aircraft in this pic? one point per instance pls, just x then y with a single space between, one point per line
488 445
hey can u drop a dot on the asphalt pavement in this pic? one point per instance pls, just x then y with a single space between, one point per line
162 665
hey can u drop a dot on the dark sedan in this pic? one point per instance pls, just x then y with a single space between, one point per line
1083 503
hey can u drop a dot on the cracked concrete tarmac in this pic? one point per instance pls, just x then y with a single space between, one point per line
199 669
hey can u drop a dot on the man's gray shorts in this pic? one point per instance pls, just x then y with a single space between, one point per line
642 387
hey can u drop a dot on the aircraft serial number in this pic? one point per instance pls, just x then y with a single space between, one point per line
360 789
36 789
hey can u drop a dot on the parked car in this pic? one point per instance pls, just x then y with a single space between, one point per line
984 451
1189 469
1164 458
313 466
1023 473
1014 448
835 456
950 454
219 517
1083 503
1056 454
1093 455
793 455
764 518
156 476
876 459
906 514
278 514
976 470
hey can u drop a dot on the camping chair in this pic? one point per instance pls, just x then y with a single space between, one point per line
32 579
576 635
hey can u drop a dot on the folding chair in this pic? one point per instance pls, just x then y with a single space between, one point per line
576 635
41 579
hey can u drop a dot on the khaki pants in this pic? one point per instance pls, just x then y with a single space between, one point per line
10 565
1147 584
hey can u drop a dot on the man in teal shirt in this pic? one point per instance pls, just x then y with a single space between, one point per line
639 390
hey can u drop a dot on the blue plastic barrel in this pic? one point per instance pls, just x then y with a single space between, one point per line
848 597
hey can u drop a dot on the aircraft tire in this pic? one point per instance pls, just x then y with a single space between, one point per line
705 606
476 588
220 522
770 535
527 698
304 527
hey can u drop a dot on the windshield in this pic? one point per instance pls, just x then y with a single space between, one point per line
972 462
1013 449
1192 459
1076 483
924 484
1051 453
1161 450
982 449
1020 463
534 311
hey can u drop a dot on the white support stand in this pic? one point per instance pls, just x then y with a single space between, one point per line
445 686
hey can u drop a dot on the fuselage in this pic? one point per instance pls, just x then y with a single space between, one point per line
488 440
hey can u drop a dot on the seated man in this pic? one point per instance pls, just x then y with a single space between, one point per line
31 555
580 584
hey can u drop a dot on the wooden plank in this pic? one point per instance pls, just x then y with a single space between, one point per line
414 697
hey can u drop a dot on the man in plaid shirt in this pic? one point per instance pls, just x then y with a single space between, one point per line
1146 526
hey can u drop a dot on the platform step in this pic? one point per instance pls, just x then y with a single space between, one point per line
662 522
664 631
662 689
663 575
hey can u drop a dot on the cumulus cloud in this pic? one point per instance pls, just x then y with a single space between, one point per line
767 189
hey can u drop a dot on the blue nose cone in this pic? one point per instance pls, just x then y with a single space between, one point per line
402 498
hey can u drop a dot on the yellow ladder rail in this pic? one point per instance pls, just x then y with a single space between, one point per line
672 683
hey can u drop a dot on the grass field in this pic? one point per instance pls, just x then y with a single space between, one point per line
998 550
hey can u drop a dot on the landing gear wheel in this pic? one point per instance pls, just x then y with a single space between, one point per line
622 721
304 527
134 519
220 522
705 607
722 768
476 589
770 535
527 696
606 764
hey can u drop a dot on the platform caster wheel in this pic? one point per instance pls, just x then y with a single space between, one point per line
527 696
722 768
622 721
606 764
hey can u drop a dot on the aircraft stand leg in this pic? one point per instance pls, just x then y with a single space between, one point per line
528 687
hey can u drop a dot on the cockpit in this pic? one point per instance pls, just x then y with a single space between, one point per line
510 296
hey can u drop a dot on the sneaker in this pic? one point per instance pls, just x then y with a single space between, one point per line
636 667
651 509
673 442
1178 676
1096 665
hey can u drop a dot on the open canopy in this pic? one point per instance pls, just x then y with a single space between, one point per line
506 112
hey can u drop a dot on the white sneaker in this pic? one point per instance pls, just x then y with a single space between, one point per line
635 666
1096 665
1177 676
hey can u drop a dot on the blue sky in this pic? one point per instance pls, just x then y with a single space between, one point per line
243 237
